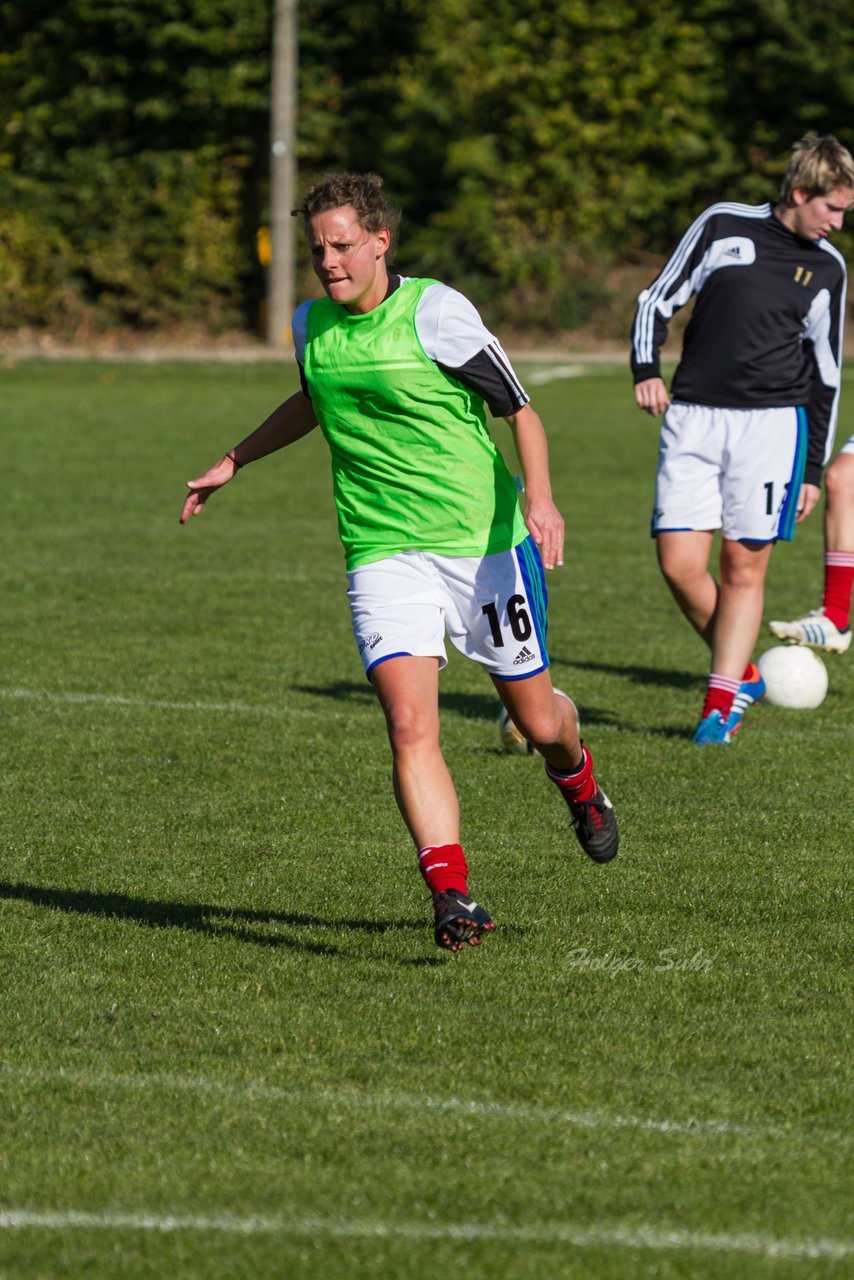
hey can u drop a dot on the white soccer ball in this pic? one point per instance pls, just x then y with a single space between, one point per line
794 676
512 741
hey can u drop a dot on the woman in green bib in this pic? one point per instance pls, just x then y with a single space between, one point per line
398 374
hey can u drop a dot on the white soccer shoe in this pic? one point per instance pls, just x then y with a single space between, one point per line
814 630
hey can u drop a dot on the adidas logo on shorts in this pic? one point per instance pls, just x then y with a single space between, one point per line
523 656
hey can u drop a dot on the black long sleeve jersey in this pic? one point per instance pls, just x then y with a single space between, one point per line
766 331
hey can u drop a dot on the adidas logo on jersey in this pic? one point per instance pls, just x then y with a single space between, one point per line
523 656
733 252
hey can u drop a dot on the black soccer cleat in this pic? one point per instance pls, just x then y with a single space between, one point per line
595 825
459 920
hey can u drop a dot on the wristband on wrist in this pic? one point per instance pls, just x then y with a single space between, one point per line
230 455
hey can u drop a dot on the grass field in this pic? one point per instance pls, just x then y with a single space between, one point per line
229 1045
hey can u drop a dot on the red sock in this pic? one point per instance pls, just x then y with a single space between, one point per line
444 866
580 783
719 695
838 581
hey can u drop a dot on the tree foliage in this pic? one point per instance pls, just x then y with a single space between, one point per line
532 147
130 156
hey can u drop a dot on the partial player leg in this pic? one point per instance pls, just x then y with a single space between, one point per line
683 557
743 569
408 690
839 541
829 627
549 720
734 682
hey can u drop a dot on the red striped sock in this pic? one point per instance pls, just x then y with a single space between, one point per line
719 695
579 783
838 581
444 866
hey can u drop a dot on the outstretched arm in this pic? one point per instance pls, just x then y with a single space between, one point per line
291 421
541 515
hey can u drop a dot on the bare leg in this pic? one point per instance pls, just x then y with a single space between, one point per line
839 506
408 690
683 557
829 627
546 719
739 613
550 722
728 616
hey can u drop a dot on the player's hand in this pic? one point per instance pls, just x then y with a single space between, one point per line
651 396
807 499
546 527
200 490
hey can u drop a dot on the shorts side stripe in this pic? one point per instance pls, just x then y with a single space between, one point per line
404 653
526 675
786 526
534 580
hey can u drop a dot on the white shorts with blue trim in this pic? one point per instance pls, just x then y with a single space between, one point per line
492 607
738 470
848 447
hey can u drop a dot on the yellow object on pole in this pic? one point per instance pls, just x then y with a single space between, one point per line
262 244
283 112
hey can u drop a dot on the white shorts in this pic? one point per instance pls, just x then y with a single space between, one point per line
848 447
739 470
493 608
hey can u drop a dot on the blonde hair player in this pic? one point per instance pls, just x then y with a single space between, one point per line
749 422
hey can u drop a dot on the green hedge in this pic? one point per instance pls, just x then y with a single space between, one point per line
533 148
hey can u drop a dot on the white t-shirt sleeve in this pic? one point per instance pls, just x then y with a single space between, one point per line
452 333
449 327
298 331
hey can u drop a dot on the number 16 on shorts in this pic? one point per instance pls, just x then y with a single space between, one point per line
514 620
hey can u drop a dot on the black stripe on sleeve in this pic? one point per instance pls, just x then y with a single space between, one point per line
490 375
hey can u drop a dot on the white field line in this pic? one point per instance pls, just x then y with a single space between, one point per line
229 708
115 700
576 1234
256 353
527 1113
542 376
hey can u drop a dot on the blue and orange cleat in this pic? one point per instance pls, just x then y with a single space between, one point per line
713 730
751 689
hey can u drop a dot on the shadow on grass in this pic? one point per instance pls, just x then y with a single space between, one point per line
471 706
340 691
639 675
202 918
685 732
485 706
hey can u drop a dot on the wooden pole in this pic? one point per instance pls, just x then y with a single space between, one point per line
283 113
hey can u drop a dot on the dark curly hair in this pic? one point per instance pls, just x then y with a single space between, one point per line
363 191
